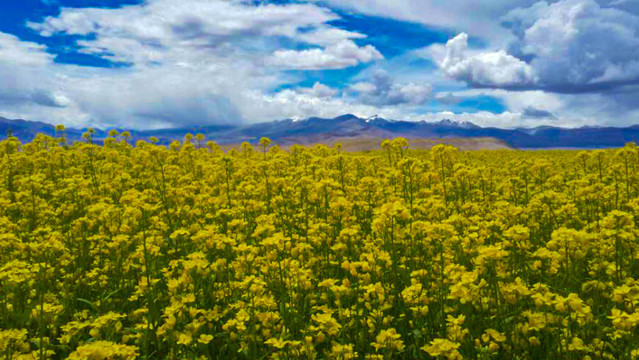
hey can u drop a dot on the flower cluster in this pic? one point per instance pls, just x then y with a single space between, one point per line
114 251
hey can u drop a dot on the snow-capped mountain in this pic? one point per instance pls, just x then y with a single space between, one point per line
314 129
458 124
374 118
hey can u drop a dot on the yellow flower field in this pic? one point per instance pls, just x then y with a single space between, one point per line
191 252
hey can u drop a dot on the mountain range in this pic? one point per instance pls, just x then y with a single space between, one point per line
315 130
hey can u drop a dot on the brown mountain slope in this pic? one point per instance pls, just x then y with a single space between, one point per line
354 144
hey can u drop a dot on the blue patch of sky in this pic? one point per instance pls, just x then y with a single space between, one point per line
285 42
405 68
15 14
79 59
477 42
471 105
482 103
277 2
391 37
338 78
420 62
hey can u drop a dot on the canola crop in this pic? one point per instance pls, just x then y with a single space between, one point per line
116 251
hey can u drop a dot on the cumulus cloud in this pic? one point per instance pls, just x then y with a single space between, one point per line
577 45
338 56
382 90
319 90
569 46
489 69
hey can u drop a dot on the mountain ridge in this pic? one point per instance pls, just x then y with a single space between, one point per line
293 130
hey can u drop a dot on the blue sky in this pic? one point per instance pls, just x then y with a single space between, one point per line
160 63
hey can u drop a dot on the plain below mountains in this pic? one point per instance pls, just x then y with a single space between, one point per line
362 131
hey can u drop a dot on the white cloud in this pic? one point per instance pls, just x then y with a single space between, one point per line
166 19
572 46
326 36
158 29
22 53
24 76
210 26
323 101
301 103
578 45
489 69
569 110
383 90
363 87
516 101
319 90
337 56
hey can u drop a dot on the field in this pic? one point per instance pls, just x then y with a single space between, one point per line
190 252
365 144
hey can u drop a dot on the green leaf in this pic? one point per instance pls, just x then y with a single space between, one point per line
91 305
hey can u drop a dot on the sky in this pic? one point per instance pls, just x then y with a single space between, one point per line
145 64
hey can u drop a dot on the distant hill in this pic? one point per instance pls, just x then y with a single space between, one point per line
314 130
